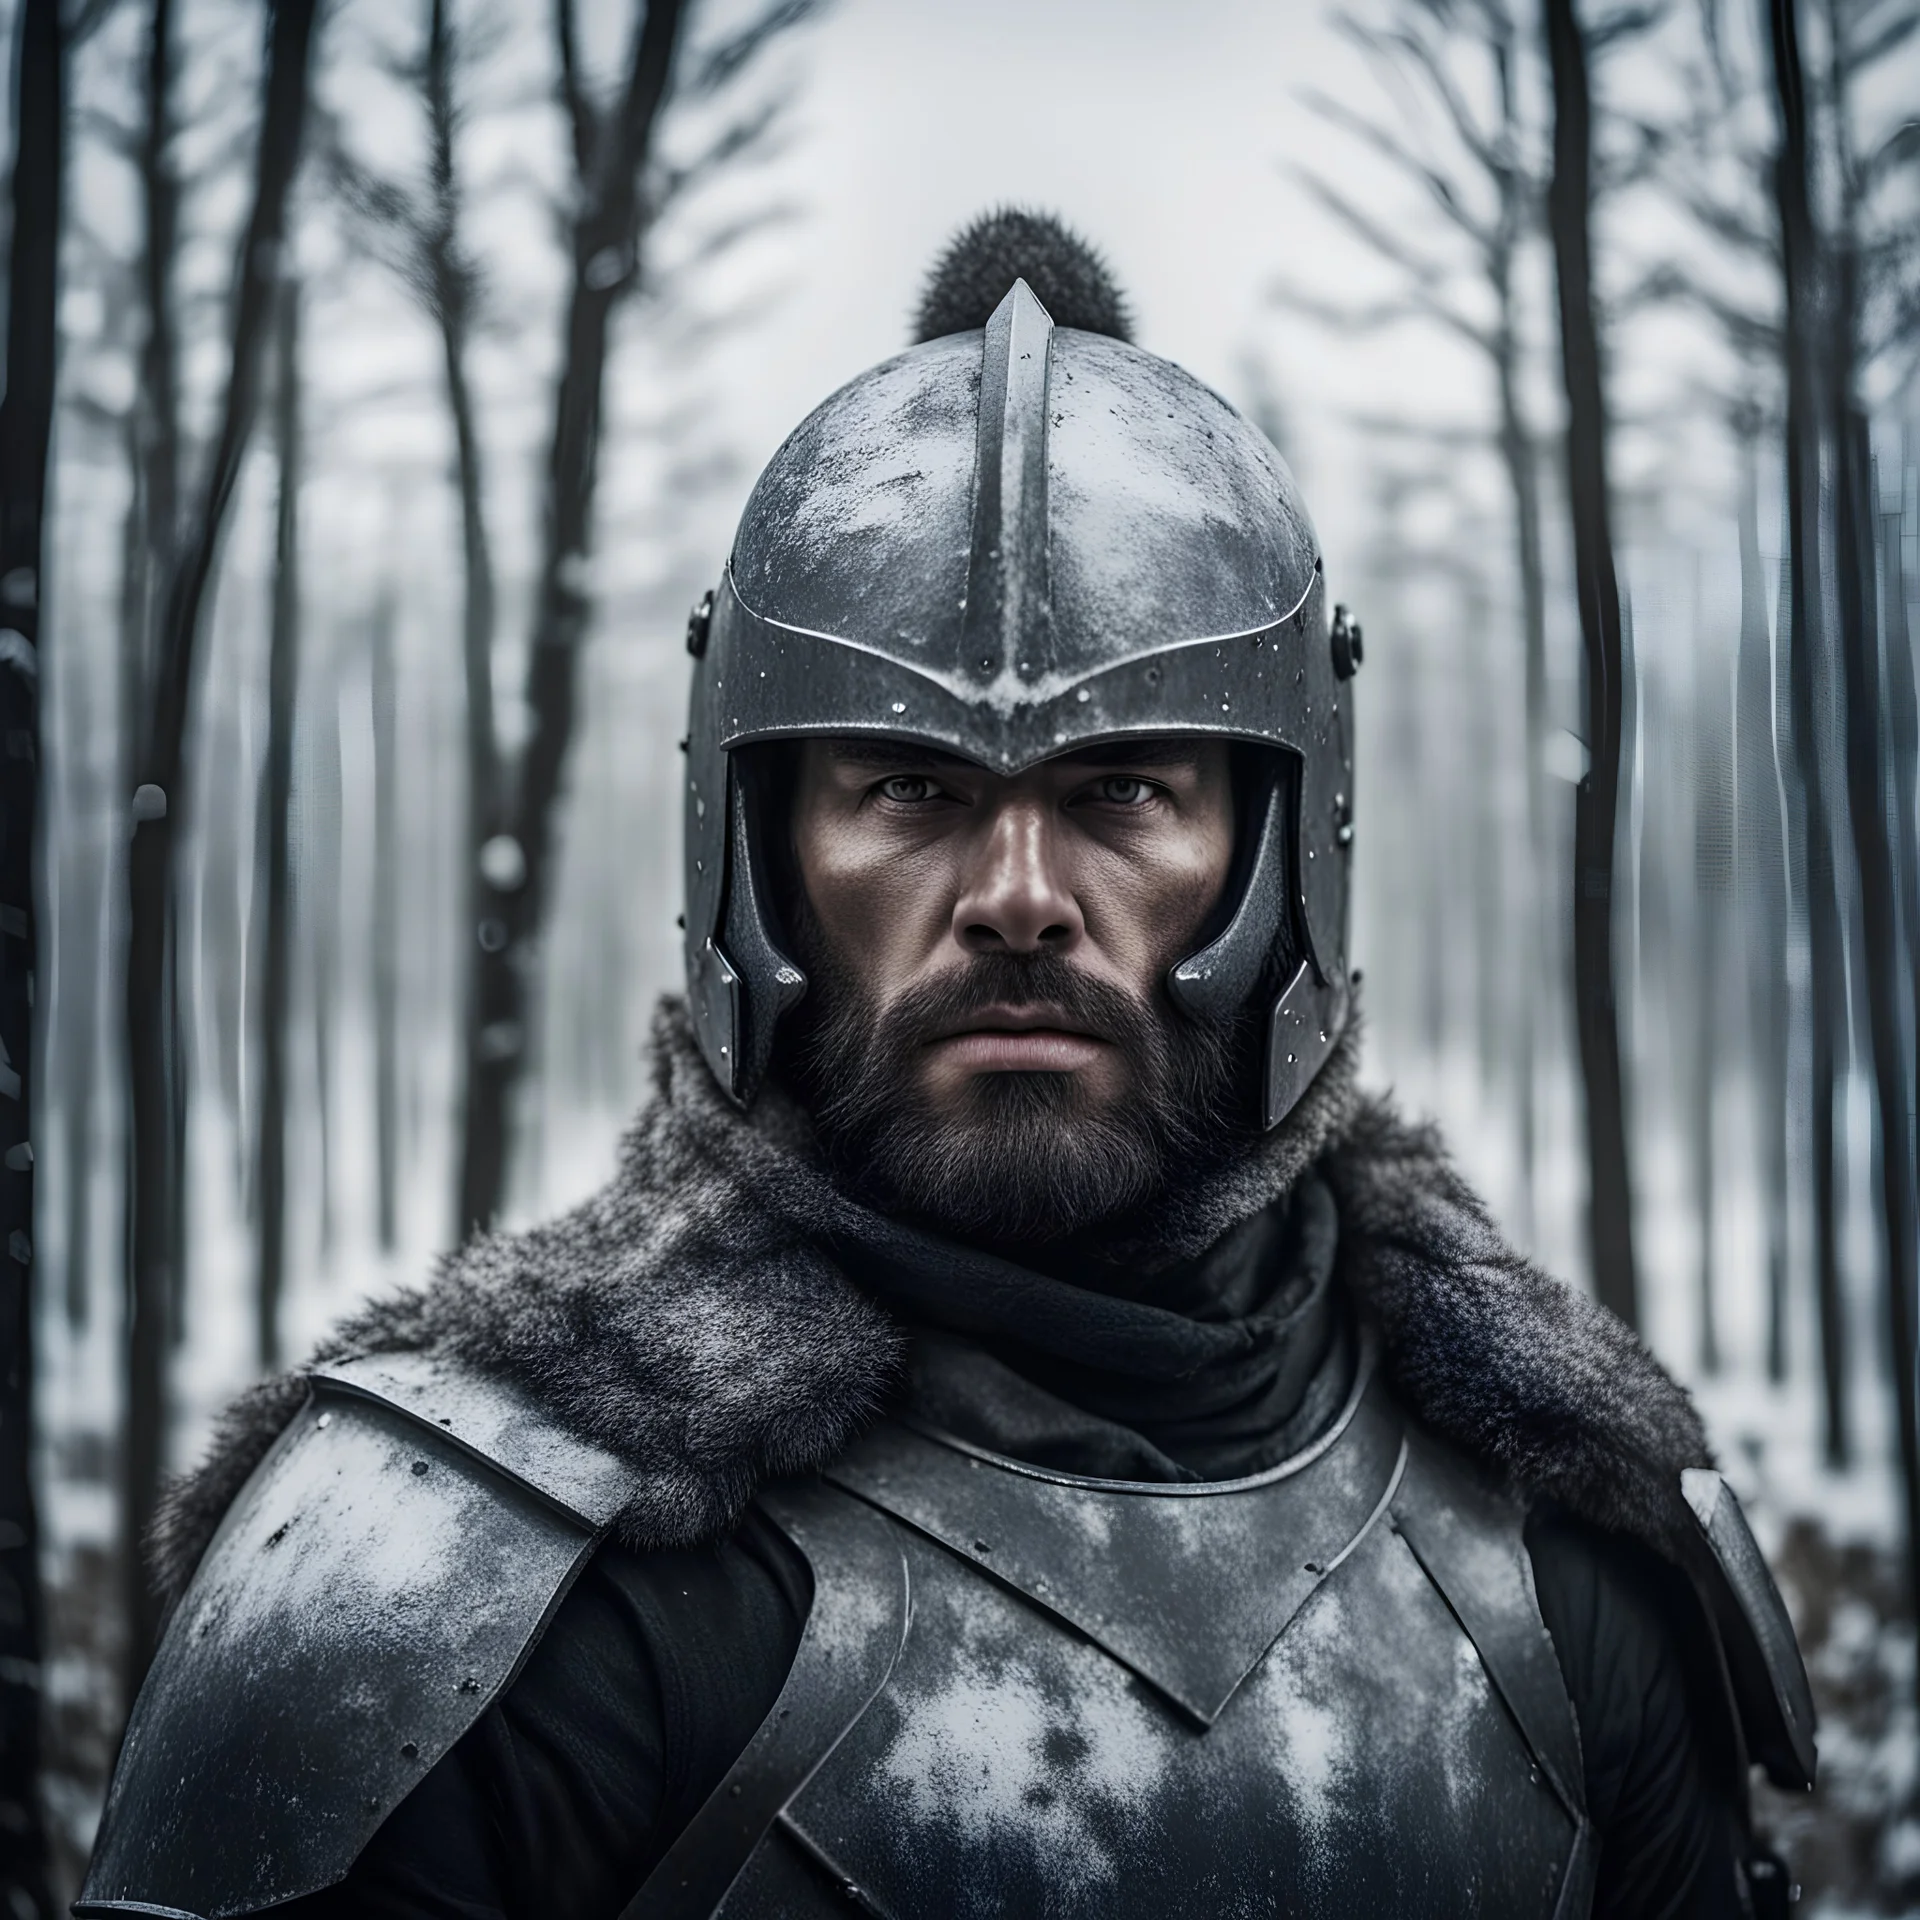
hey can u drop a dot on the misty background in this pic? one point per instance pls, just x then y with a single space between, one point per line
373 907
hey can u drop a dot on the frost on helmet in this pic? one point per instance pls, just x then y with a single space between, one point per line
1012 542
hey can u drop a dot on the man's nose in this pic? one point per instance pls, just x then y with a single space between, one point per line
1015 897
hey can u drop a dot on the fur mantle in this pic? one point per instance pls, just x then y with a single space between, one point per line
685 1318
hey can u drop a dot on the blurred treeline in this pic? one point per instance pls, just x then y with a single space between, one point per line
385 472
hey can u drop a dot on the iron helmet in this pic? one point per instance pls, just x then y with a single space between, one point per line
1011 541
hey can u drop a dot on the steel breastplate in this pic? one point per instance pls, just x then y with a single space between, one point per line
1326 1689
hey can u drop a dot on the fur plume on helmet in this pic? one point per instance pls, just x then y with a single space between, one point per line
983 260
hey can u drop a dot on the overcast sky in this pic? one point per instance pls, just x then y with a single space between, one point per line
1158 131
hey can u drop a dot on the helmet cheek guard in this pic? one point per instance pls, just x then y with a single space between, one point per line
1009 544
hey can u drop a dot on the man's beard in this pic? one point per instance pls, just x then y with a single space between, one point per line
1017 1158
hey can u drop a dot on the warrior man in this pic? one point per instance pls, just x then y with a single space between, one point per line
1021 1433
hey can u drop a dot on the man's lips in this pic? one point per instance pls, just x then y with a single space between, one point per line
1018 1040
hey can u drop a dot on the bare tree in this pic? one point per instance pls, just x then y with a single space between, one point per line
275 843
158 409
1712 876
1597 800
1858 35
1486 192
1903 728
385 926
421 235
619 191
1809 657
1769 224
78 879
611 147
26 427
154 1069
1866 738
1761 824
147 433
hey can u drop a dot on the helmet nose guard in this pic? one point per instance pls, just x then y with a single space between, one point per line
1007 544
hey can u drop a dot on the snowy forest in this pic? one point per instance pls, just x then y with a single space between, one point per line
382 385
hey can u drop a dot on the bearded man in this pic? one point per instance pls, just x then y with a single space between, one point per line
1020 1433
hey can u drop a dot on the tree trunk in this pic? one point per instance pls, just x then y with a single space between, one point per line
1760 839
275 848
1596 806
81 986
155 1140
1876 721
1713 832
77 876
160 404
1867 796
385 930
517 878
1517 455
315 914
157 408
26 425
1903 730
1809 671
487 800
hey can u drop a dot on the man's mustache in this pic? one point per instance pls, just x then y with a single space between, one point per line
1012 981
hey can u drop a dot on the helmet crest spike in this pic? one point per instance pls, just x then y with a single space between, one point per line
1008 597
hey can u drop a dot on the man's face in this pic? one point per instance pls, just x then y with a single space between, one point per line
989 1043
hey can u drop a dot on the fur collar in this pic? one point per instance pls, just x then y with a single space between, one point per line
686 1318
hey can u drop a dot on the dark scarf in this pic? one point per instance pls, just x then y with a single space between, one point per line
1217 1366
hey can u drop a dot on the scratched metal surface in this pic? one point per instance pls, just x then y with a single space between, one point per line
486 1416
1368 1763
1164 516
1124 1563
1366 1767
371 1591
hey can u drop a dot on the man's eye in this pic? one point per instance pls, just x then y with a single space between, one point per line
1125 790
907 788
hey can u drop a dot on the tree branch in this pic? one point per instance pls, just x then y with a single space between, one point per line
1477 142
1415 305
736 140
1438 187
738 51
1428 273
581 118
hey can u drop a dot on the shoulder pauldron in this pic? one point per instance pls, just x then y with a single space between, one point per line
1765 1677
374 1587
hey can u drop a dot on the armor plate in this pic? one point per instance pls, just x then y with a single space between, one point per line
1015 1690
1326 1689
375 1585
